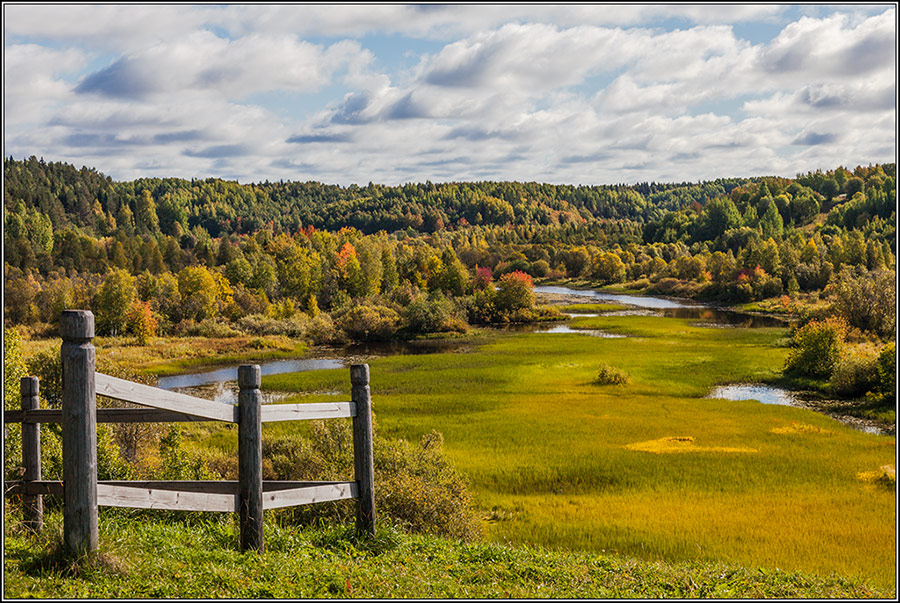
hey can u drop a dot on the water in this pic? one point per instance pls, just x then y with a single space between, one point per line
773 395
657 303
760 393
708 316
274 367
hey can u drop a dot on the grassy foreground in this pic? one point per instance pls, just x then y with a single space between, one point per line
651 469
159 557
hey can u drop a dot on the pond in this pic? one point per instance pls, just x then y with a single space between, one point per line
768 394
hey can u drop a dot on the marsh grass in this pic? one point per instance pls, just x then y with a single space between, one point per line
546 452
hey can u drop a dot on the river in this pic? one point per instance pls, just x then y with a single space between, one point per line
221 384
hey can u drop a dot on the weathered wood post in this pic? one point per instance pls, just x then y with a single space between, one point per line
79 431
250 458
363 458
33 504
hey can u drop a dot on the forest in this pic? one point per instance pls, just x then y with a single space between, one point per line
171 256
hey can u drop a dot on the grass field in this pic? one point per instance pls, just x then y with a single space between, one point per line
651 469
148 555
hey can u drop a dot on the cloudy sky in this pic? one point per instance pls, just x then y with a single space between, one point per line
579 94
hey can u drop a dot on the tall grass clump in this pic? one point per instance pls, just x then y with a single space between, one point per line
611 375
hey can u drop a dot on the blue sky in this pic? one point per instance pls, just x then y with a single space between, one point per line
577 94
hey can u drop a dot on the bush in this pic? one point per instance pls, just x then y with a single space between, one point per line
887 369
370 323
432 315
260 324
854 375
211 328
414 485
866 299
611 375
816 348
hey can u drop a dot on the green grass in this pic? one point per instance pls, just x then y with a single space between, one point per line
160 556
592 308
547 452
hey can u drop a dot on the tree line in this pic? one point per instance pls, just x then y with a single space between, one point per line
211 256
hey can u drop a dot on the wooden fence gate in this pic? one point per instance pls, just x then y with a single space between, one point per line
249 496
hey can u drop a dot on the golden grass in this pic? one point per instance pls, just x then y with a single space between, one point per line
886 475
680 444
796 428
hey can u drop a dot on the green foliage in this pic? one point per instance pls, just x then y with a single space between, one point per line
887 369
866 299
816 348
369 323
514 292
113 301
13 370
611 375
177 463
417 487
854 374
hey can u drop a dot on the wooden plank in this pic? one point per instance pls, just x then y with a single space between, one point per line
33 488
138 497
127 391
306 411
104 415
309 494
37 487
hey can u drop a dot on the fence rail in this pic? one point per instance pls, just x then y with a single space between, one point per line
249 496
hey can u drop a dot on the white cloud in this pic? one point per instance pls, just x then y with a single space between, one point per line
511 95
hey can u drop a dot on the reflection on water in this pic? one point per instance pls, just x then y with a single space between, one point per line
760 393
774 395
708 315
631 300
568 329
273 367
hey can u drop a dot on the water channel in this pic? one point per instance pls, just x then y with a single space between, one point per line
221 385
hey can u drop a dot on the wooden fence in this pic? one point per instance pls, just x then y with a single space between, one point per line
249 496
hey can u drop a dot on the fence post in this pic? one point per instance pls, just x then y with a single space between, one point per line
33 504
250 458
79 431
363 459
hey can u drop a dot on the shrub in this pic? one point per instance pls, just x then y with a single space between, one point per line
611 375
514 292
866 299
887 369
260 324
432 315
211 328
854 375
370 323
414 485
816 348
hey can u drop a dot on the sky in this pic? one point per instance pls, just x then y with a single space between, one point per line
396 93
